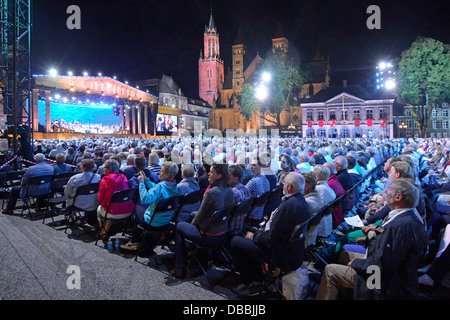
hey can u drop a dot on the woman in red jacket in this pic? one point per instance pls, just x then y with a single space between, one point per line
333 183
112 181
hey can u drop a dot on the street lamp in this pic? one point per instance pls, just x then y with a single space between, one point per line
403 126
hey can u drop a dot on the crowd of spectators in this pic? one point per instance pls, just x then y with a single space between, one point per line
407 196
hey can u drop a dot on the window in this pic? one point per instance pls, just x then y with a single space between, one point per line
408 113
332 115
444 113
320 115
435 124
434 113
409 123
309 115
369 114
445 124
356 114
383 114
344 116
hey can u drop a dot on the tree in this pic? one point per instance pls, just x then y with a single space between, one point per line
424 78
286 76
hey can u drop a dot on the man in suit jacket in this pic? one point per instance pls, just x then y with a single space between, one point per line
346 181
389 269
41 168
251 251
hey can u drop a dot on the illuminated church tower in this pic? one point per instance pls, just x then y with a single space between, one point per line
211 71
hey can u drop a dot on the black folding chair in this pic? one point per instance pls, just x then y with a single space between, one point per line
35 182
188 199
292 258
56 196
273 201
11 179
88 190
260 202
166 205
117 197
238 215
219 218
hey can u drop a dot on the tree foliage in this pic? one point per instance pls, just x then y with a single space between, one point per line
286 76
424 78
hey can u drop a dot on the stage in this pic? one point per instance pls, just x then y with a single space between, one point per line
69 136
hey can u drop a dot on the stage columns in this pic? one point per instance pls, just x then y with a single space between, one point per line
145 118
127 118
121 117
133 116
139 118
48 119
35 119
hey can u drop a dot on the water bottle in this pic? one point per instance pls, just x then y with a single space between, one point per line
117 244
110 245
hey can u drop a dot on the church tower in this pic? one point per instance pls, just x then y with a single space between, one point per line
238 64
211 70
280 44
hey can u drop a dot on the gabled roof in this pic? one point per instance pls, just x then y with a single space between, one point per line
169 86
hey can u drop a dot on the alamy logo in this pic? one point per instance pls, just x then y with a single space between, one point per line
374 21
74 280
374 280
74 21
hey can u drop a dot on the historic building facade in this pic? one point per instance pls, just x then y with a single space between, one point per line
226 111
337 113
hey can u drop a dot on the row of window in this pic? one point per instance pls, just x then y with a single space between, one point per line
344 115
435 124
434 113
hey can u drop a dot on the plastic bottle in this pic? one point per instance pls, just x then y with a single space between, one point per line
117 244
110 245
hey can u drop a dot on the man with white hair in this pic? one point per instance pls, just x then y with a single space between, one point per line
41 168
304 165
251 251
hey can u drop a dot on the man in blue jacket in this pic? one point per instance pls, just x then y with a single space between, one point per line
251 251
388 271
41 168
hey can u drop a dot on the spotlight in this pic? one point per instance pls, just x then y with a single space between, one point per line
53 73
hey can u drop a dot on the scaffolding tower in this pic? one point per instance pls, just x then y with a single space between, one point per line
15 70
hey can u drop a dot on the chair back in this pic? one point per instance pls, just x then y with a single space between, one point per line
238 215
292 255
14 176
220 219
87 189
273 201
65 175
166 205
59 184
39 186
192 197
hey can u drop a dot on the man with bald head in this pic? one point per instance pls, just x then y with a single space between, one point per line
250 251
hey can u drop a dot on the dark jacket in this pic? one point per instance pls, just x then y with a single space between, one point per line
292 211
347 183
397 252
219 196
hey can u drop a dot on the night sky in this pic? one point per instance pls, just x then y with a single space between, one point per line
144 39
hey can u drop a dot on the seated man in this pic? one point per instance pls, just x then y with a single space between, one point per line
251 251
394 251
240 191
89 204
187 185
41 168
257 185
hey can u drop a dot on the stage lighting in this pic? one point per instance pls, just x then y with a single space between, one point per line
53 73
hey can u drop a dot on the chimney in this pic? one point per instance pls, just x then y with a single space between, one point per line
344 83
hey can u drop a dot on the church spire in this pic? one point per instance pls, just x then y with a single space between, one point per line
211 26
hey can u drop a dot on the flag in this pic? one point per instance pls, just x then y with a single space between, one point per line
309 123
383 122
321 123
369 122
333 122
357 123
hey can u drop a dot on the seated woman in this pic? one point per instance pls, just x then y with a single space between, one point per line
218 196
60 166
287 166
150 194
112 181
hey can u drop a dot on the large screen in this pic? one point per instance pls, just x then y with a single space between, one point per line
166 124
81 118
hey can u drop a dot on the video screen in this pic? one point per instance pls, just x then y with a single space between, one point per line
166 124
81 118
